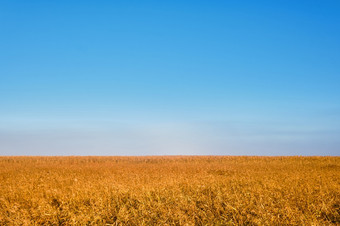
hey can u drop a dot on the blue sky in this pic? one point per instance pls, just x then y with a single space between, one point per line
169 77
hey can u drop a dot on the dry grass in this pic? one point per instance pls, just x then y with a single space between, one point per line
170 190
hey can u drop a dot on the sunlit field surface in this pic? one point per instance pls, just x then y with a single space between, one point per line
178 190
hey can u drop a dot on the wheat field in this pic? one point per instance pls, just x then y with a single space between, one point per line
170 190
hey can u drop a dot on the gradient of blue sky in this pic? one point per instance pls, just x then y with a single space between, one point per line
169 77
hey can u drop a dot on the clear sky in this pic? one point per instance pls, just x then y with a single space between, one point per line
169 77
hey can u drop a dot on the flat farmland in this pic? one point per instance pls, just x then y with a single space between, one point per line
170 190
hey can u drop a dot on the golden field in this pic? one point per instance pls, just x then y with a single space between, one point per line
164 190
